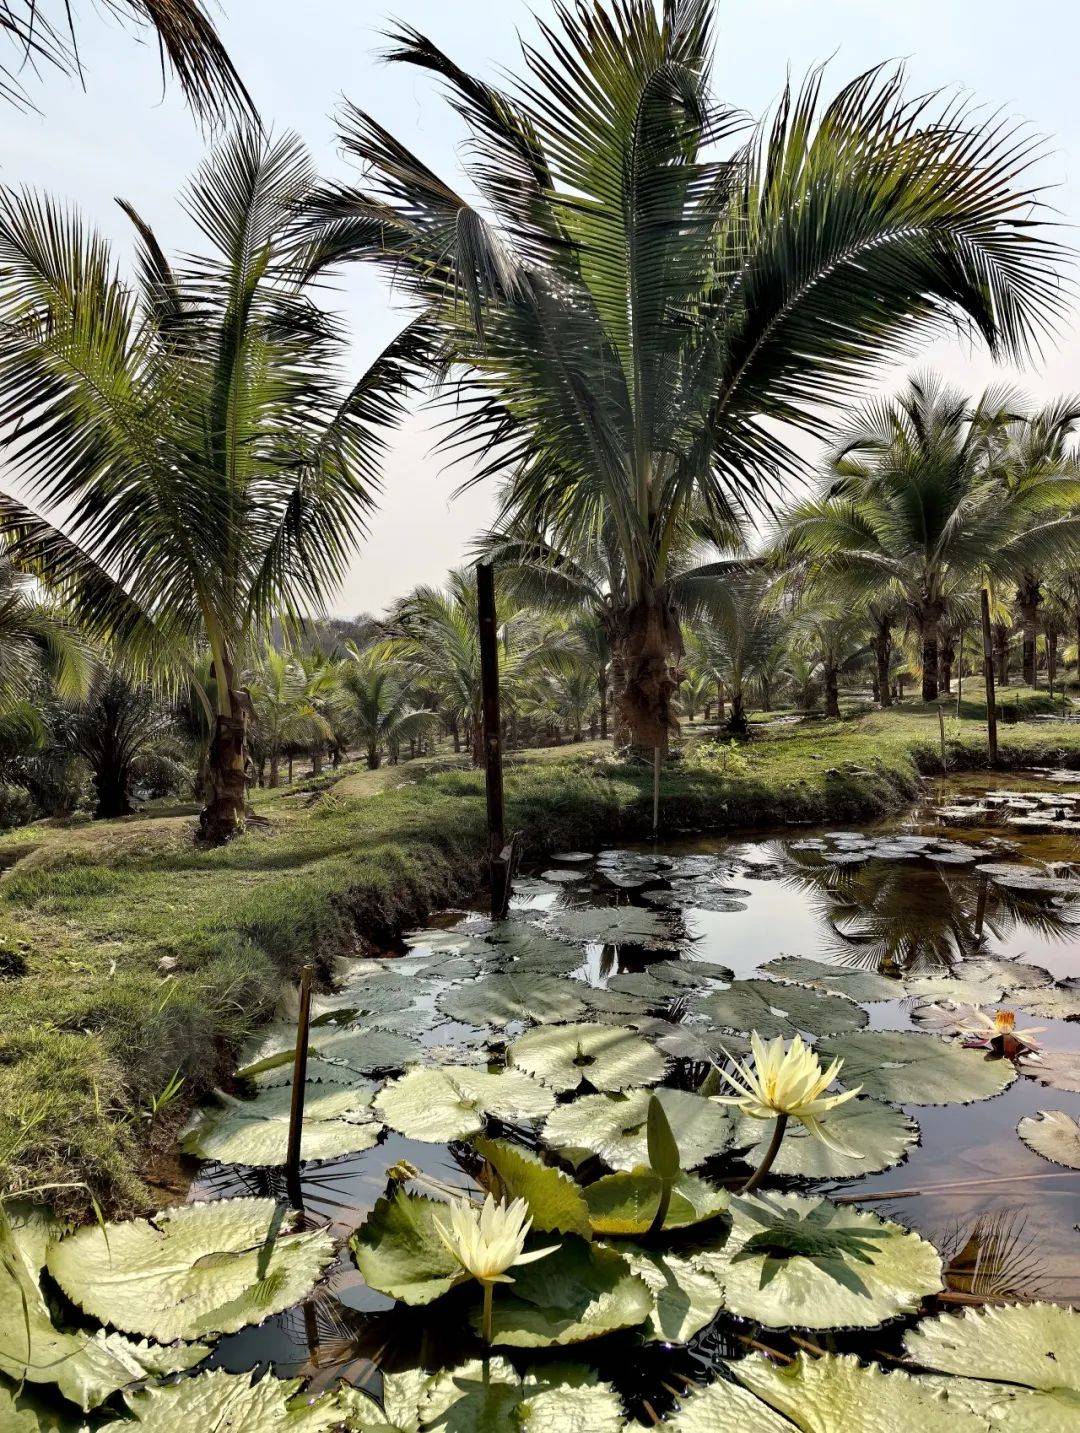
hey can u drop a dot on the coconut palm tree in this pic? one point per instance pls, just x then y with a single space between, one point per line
284 712
641 298
381 708
43 35
38 642
836 635
742 639
213 470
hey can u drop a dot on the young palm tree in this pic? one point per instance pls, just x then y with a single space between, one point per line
381 706
639 301
38 642
836 635
742 639
213 470
284 712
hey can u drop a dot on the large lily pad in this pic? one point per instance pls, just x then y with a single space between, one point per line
665 979
513 995
399 1252
726 1408
337 1121
361 1051
1055 1002
516 941
555 1200
795 1260
1053 1134
915 1069
613 1126
625 1203
191 1271
772 1008
615 925
685 1298
1019 1365
219 1400
881 1134
582 1291
453 1102
607 1056
1059 1069
849 980
87 1368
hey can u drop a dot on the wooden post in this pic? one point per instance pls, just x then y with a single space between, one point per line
988 673
941 726
299 1080
498 873
960 673
980 907
657 757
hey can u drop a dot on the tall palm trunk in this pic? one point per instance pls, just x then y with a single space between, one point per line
929 621
882 655
373 755
946 657
736 721
646 646
602 688
1028 598
275 768
1001 651
225 807
832 691
1051 657
720 714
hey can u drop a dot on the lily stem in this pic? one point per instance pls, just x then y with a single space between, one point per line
770 1154
489 1299
661 1208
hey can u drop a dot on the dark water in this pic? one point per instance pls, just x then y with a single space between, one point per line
1004 1217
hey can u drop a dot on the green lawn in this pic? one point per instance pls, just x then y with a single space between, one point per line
127 955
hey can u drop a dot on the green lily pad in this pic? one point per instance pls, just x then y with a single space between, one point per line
613 1126
513 995
399 1252
838 1394
555 1201
615 925
607 1056
191 1271
625 1203
515 941
726 1408
581 1291
699 1043
849 980
337 1121
666 979
1055 1002
915 1069
220 1400
86 1368
363 1052
795 1260
453 1102
1060 1069
685 1298
1053 1134
772 1008
1019 1365
882 1135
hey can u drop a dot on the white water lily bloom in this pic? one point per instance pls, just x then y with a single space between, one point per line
489 1239
787 1082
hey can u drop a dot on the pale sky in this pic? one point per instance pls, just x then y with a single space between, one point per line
121 137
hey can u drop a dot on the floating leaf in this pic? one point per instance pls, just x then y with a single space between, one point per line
882 1135
513 995
515 941
361 1051
685 1298
846 980
193 1270
665 979
563 878
726 1408
699 1043
915 1069
1019 1365
399 1252
581 1291
555 1201
772 1008
1058 1068
1053 1134
795 1260
614 1126
220 1400
337 1121
1057 1002
452 1102
625 1203
615 925
607 1056
87 1368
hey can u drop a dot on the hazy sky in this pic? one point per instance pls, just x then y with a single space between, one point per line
122 137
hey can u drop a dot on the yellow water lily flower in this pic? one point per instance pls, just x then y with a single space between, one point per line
488 1239
787 1082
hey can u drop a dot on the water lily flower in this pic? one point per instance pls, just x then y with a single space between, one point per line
783 1083
488 1240
1000 1034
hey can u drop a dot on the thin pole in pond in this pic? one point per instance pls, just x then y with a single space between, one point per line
657 756
941 727
299 1081
498 865
988 673
960 675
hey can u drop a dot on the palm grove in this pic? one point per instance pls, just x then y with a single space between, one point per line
651 306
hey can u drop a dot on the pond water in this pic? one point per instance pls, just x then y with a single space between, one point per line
878 899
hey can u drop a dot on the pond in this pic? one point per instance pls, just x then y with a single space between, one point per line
913 918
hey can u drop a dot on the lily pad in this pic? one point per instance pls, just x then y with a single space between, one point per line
915 1069
516 941
555 1201
1019 1365
849 980
220 1400
882 1135
1058 1068
613 1126
615 925
453 1102
607 1056
362 1051
513 995
582 1291
685 1298
337 1121
625 1203
726 1408
191 1271
563 878
399 1252
1056 1002
1053 1134
772 1008
796 1260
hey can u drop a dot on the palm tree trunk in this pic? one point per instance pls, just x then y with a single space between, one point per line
832 692
1001 651
930 657
736 721
225 808
275 769
111 786
946 656
316 760
1051 657
1028 598
719 701
476 735
646 647
602 687
373 755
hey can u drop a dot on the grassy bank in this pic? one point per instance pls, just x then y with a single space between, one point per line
127 956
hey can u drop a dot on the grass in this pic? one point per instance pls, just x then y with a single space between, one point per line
129 959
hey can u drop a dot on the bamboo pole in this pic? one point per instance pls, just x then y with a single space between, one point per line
299 1081
988 673
498 871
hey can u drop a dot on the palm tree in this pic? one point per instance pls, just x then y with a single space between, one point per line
381 707
213 469
837 636
38 642
285 714
185 34
742 639
635 307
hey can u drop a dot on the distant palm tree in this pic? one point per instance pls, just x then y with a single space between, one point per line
641 302
213 469
742 639
837 637
381 708
43 32
285 714
38 642
125 733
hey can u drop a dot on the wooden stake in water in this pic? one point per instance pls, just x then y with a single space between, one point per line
299 1078
498 875
657 756
988 673
941 726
